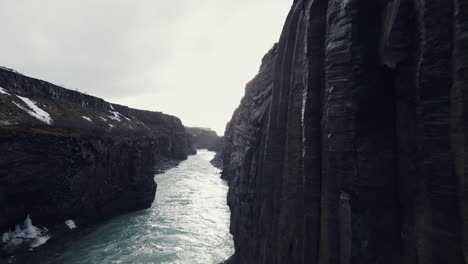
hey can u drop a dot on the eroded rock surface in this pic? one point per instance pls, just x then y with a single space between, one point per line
350 144
91 161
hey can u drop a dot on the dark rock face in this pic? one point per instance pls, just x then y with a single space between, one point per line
205 138
243 153
218 147
192 150
74 168
54 175
246 126
244 131
361 155
217 161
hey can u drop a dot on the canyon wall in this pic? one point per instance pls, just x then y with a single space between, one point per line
68 155
350 144
205 138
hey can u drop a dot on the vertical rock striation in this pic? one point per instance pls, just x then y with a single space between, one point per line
350 144
243 158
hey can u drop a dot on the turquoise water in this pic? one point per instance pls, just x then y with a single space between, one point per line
187 223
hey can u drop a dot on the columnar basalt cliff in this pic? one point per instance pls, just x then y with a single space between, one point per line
355 150
244 131
67 155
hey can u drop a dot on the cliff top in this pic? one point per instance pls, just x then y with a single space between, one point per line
29 101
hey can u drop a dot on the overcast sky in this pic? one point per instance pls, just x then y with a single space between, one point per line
189 58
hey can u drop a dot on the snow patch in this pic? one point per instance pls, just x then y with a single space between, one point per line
34 110
87 118
112 126
29 234
3 91
71 224
116 116
103 119
4 123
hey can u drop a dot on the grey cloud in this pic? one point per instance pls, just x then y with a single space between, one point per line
145 53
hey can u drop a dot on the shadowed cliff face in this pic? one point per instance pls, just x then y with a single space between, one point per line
205 138
66 155
360 153
243 155
54 175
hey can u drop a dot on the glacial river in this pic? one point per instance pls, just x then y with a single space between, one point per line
187 223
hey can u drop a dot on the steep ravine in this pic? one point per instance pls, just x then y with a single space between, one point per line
350 144
67 155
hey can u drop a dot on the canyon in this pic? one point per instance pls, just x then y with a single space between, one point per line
68 155
348 147
350 144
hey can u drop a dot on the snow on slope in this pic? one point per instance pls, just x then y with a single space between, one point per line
87 118
3 91
34 110
116 116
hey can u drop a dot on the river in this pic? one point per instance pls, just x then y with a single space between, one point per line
187 223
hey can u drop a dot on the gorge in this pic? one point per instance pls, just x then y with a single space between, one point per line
70 156
348 147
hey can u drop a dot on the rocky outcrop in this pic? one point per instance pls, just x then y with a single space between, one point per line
359 153
67 155
218 147
218 160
